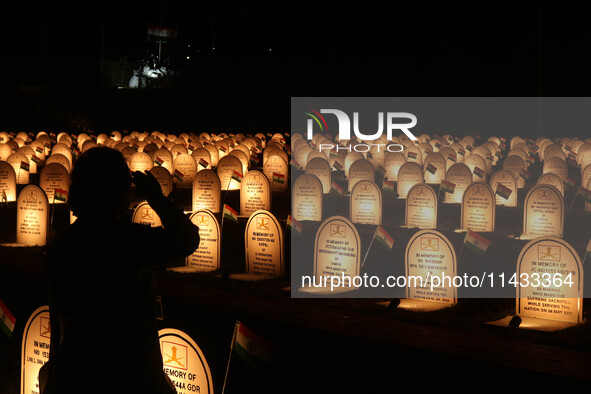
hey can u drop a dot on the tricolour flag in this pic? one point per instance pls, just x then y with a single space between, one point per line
503 191
584 193
524 173
431 168
60 195
278 178
203 163
383 237
178 175
337 165
6 319
476 243
294 225
38 149
237 176
570 182
412 155
462 152
335 186
254 160
35 159
447 186
469 148
229 213
253 349
453 157
158 161
479 172
4 197
388 185
24 165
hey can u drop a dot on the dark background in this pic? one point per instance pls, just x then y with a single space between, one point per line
63 59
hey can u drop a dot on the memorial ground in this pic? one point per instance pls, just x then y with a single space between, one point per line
328 345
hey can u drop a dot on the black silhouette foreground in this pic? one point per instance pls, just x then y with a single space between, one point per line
104 336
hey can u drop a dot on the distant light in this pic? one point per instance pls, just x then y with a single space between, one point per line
270 49
188 45
188 57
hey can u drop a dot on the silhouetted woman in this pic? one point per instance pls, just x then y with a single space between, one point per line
104 333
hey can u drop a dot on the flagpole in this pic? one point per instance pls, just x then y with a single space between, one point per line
571 204
230 357
224 203
369 247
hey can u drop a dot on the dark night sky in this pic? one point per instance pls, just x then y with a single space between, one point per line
418 48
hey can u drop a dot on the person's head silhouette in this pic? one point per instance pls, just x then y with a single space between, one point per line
101 185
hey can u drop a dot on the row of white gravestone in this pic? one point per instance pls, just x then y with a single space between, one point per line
428 254
182 359
543 205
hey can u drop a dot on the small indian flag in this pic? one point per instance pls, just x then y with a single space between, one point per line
337 165
530 159
223 148
278 178
255 160
469 148
431 168
438 145
476 243
237 176
388 185
570 182
253 349
585 194
524 174
503 191
383 237
229 213
462 152
6 319
39 149
479 172
333 153
503 145
4 197
158 161
60 195
178 175
453 157
412 155
499 155
335 186
203 163
35 159
294 225
369 156
447 186
24 165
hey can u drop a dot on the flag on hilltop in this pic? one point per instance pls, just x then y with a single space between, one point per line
229 213
476 243
584 193
447 186
253 349
294 225
6 319
383 237
503 191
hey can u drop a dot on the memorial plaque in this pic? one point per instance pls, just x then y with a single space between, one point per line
203 159
478 208
553 262
410 174
184 362
7 182
207 191
178 149
360 170
35 349
543 212
429 254
351 158
163 158
421 207
207 256
505 195
337 249
144 214
321 168
307 198
243 159
365 204
54 177
556 166
140 161
63 149
263 238
478 167
392 163
5 151
301 156
185 170
164 179
255 193
214 153
461 176
32 216
552 179
276 171
516 165
434 168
